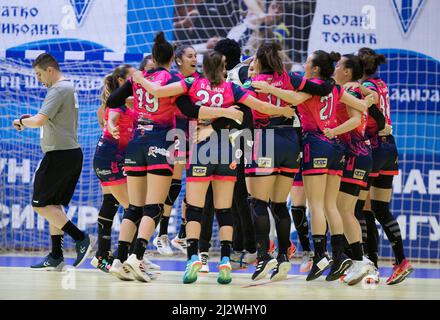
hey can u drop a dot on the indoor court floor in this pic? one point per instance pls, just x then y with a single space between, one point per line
18 281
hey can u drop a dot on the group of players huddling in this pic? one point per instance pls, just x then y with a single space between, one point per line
325 137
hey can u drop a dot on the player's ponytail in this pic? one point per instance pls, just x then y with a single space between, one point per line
213 67
111 81
354 63
326 62
268 56
370 60
162 50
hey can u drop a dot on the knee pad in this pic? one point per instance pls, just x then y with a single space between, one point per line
224 217
381 211
383 182
300 219
279 211
193 213
259 207
107 212
133 214
154 211
173 193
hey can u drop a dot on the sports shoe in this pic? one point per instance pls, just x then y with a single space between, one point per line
102 263
150 265
291 250
250 258
137 267
400 272
339 266
264 266
120 271
193 267
318 267
179 244
272 247
50 264
83 248
307 261
282 268
372 277
204 258
224 271
162 244
236 260
357 271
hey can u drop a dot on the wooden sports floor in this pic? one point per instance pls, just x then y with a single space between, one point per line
18 281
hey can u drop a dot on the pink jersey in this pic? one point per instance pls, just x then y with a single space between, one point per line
342 115
282 81
195 75
224 95
318 113
125 123
151 109
376 84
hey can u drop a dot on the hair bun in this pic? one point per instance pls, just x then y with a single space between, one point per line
380 59
160 38
335 56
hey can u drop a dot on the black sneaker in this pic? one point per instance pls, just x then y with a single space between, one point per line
320 264
263 267
282 268
83 248
340 265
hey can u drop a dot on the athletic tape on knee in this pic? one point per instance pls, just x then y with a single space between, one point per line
133 213
173 193
224 217
154 211
193 213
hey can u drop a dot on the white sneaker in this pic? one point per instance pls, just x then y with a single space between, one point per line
179 244
137 267
372 277
150 265
358 271
204 257
162 244
118 270
250 258
307 261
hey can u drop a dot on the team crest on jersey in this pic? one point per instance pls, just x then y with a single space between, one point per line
407 12
264 162
359 174
320 162
190 80
81 8
247 84
199 171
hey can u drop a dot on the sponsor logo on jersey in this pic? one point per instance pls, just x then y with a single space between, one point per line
320 162
264 162
233 165
199 171
103 172
359 174
129 161
152 151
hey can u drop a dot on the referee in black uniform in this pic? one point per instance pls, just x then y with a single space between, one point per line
59 171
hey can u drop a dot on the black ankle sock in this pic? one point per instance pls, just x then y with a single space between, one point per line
140 247
319 245
337 242
192 248
73 231
123 247
182 231
356 250
163 229
225 250
57 246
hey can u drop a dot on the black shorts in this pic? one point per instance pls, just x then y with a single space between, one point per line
149 152
56 177
358 164
182 140
283 159
322 155
212 161
385 157
108 163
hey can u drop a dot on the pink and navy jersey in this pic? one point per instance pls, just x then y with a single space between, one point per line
126 122
224 95
318 113
282 81
151 109
195 75
342 115
376 84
